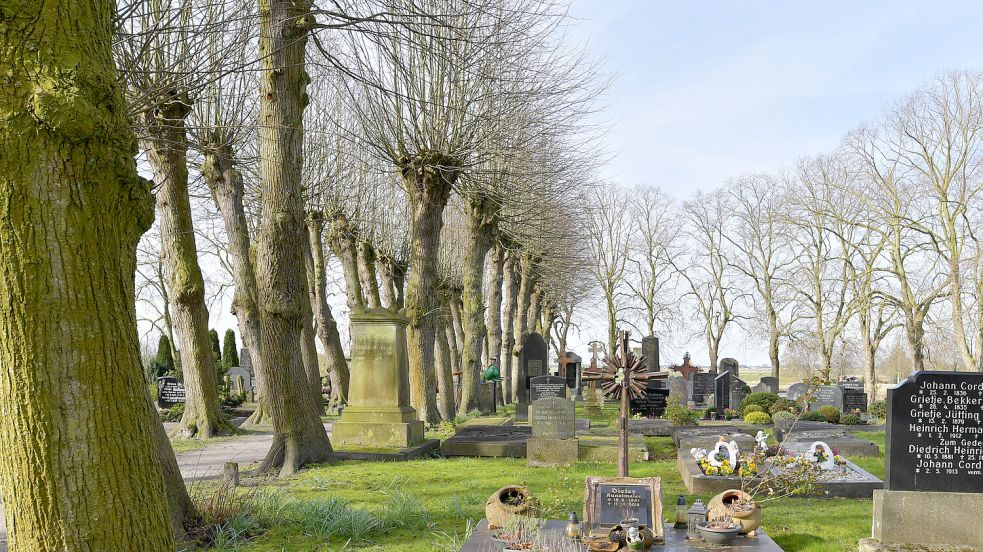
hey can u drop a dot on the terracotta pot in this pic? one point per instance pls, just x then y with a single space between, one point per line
720 506
511 500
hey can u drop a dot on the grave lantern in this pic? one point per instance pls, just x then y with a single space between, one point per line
697 515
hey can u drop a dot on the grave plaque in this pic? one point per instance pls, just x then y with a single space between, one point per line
652 404
532 363
738 390
934 439
169 392
796 390
547 387
650 348
702 387
828 395
771 382
854 400
553 418
721 392
608 501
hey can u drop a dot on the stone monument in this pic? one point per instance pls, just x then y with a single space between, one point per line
532 363
730 365
933 472
379 414
554 437
721 392
650 349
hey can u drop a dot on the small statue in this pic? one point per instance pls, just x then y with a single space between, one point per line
762 440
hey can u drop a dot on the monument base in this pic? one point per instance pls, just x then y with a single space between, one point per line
427 449
486 398
373 428
546 453
937 519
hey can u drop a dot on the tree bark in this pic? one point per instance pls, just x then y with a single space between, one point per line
80 469
167 150
225 182
327 328
511 298
366 272
392 275
496 271
428 186
446 392
773 343
521 325
481 227
308 336
299 437
343 245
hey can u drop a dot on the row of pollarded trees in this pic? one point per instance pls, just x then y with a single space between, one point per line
842 248
465 112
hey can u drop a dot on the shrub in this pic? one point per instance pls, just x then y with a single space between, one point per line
174 413
783 405
878 409
851 419
752 408
757 418
830 413
812 417
782 416
764 400
679 415
730 413
230 352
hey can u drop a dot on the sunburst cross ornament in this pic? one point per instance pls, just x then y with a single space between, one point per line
623 377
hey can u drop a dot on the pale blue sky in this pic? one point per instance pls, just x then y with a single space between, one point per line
707 90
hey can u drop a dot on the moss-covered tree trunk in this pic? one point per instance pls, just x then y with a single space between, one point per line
392 275
342 243
510 297
327 328
428 187
520 328
80 469
482 216
166 144
366 273
496 274
226 184
299 438
446 391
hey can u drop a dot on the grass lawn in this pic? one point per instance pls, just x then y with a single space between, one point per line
444 496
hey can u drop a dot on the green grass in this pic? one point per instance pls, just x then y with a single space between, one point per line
442 496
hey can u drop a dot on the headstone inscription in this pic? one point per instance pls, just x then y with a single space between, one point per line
610 501
547 387
169 392
554 433
933 462
532 363
721 392
652 404
854 400
650 348
738 390
702 387
827 395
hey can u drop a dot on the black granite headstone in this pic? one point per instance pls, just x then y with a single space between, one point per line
827 395
532 363
609 502
702 386
652 404
854 400
169 392
721 392
934 439
547 387
650 348
738 390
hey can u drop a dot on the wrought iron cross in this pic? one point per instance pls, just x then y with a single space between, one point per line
622 377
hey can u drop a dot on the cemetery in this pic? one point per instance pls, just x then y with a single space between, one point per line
491 276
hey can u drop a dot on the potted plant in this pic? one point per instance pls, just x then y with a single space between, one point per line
519 533
509 501
721 531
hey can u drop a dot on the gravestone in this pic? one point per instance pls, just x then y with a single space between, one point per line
532 363
573 370
721 392
170 392
796 391
702 387
730 365
650 348
738 390
678 389
761 388
554 433
854 400
378 414
771 382
827 395
547 387
608 501
593 400
652 404
237 372
933 471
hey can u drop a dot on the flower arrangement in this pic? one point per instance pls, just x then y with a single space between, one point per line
746 467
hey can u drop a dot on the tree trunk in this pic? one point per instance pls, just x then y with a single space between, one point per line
773 342
392 275
342 243
366 272
520 328
481 228
446 392
179 503
225 183
915 332
496 267
299 437
958 311
80 469
167 149
308 345
511 298
428 187
327 328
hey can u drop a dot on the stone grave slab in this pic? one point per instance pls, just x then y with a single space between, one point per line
771 382
603 449
554 433
488 441
796 390
650 427
729 365
845 443
827 395
854 400
169 392
738 390
684 433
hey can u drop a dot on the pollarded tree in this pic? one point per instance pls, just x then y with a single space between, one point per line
72 393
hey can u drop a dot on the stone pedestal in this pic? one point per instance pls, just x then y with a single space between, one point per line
928 518
554 433
378 413
486 397
545 453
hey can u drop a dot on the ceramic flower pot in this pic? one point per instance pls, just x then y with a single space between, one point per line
724 504
511 500
718 536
